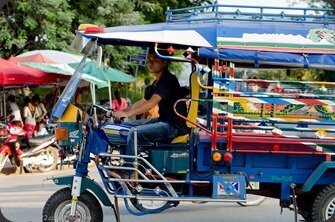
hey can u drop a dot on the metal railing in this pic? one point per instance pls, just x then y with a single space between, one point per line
217 12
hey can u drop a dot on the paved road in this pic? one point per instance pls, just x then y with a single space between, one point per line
22 198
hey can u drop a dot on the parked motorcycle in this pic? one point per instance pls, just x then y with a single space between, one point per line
39 153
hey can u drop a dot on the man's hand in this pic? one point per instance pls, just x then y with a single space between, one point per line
120 114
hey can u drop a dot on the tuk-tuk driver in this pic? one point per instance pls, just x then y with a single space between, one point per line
165 91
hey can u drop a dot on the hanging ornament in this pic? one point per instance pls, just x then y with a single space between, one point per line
170 50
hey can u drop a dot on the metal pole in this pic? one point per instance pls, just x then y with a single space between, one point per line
110 94
136 70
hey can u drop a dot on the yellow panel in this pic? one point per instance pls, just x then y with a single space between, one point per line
195 91
70 114
193 110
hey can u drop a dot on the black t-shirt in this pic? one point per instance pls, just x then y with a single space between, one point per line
168 88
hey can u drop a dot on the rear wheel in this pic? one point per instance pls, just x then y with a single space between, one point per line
324 204
252 200
150 205
58 207
305 203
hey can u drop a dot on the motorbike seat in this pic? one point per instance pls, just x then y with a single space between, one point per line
35 141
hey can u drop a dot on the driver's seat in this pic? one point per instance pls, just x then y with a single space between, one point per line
193 109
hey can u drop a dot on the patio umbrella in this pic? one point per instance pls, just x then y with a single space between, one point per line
58 57
105 72
242 36
39 57
14 74
65 69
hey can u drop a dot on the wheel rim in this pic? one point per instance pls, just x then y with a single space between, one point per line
62 212
152 204
330 209
49 157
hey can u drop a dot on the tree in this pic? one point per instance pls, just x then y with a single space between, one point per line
29 25
158 7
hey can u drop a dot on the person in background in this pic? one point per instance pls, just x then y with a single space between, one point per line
41 112
15 111
29 117
40 129
119 103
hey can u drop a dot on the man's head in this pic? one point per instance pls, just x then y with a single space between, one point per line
156 65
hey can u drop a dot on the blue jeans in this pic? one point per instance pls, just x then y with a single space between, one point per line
149 130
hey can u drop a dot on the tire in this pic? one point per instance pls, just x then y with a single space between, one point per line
58 207
252 200
304 203
324 205
51 152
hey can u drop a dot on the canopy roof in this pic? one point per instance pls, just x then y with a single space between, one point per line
242 32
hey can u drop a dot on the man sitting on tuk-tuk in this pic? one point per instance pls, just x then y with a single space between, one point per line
164 92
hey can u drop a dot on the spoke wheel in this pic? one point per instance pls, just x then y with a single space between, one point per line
58 207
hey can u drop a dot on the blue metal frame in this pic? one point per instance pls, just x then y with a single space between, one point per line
219 13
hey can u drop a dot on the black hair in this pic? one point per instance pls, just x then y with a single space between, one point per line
36 98
11 98
117 96
26 100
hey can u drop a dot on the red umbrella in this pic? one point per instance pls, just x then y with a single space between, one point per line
13 74
32 58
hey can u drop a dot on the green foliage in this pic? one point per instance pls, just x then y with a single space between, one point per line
28 25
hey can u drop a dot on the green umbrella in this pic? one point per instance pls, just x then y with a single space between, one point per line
105 72
65 70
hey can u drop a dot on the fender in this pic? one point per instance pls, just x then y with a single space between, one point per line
87 184
316 175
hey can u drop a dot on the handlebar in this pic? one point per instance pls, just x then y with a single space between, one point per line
108 112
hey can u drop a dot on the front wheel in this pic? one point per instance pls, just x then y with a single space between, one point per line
324 205
58 207
252 200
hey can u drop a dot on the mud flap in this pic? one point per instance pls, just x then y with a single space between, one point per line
87 184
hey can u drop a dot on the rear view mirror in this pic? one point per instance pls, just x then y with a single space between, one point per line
99 57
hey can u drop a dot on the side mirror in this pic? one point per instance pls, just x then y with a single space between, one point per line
99 57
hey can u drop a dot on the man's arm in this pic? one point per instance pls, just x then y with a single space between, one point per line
140 109
138 103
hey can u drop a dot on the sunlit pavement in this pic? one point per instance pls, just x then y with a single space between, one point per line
22 198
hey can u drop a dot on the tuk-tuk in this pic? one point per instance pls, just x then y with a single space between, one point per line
267 137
